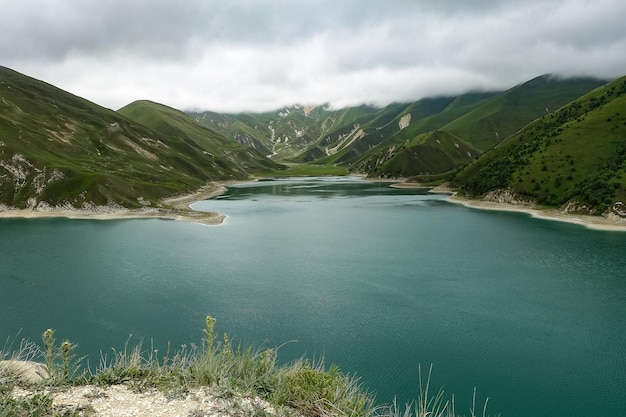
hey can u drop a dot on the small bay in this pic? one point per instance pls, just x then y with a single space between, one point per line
377 280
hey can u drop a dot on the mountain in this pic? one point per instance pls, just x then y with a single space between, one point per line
573 157
556 141
188 135
433 146
318 134
287 133
57 149
428 138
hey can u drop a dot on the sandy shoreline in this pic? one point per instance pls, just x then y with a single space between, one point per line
176 208
591 222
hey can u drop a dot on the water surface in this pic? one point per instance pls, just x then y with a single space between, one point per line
375 279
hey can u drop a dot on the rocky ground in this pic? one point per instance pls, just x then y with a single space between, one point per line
129 400
125 401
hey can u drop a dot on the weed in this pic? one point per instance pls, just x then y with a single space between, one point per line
428 405
302 387
37 404
61 362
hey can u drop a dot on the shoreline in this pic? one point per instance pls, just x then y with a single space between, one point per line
590 222
177 208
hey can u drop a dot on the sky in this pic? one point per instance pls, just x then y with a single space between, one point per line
260 55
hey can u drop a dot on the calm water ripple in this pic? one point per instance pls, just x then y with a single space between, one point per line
376 279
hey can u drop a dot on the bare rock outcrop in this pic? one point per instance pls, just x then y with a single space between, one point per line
509 196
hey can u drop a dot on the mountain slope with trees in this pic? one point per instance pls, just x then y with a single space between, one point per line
573 158
469 126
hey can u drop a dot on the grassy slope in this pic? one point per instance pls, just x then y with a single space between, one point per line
428 156
56 133
336 129
457 107
310 137
473 123
576 154
383 131
417 149
507 112
235 127
285 131
179 127
59 149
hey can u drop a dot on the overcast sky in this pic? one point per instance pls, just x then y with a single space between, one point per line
236 55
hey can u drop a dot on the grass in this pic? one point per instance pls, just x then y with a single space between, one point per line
510 110
305 170
72 151
63 149
303 387
574 155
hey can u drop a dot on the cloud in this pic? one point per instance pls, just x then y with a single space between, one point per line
263 54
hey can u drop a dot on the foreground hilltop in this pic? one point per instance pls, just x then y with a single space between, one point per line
213 378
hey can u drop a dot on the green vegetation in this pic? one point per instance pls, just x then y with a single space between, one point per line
393 141
432 154
305 170
575 155
473 122
502 115
303 387
57 149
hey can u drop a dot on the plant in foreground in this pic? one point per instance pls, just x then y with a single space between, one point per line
303 386
61 361
428 405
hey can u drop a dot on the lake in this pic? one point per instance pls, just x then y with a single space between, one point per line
377 280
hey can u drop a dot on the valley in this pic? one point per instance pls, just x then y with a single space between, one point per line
550 142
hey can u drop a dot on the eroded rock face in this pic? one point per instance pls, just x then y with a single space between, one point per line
576 207
26 371
20 175
616 212
508 196
619 209
404 121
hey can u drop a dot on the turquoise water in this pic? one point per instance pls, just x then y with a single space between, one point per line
377 280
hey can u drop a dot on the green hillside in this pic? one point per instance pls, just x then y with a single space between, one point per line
473 123
191 136
574 157
430 137
418 147
57 149
507 112
427 157
283 134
